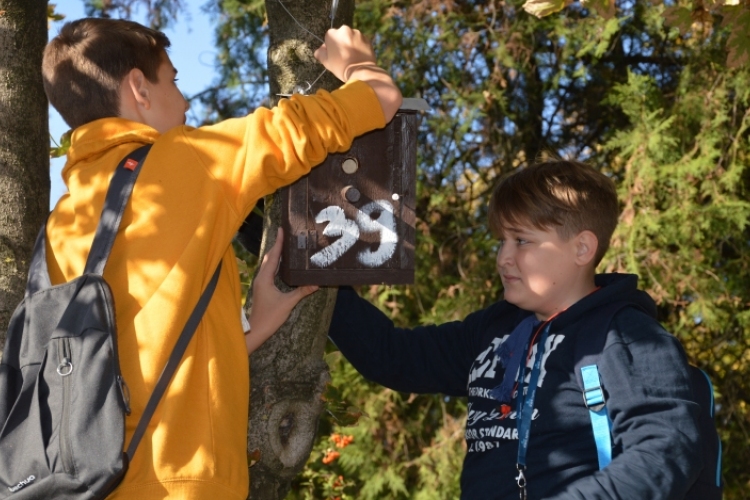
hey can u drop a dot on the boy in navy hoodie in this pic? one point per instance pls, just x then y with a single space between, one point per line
515 360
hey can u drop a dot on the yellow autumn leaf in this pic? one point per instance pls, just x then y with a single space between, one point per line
541 8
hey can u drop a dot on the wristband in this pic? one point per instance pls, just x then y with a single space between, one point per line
363 65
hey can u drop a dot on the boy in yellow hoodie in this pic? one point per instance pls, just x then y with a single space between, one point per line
113 83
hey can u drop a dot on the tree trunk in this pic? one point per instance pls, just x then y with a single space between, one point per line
288 373
24 145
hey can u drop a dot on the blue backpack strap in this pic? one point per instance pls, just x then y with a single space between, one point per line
708 429
713 410
589 346
593 397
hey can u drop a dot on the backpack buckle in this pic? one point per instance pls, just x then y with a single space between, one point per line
593 399
593 395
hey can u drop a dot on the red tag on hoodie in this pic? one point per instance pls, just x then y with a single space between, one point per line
131 164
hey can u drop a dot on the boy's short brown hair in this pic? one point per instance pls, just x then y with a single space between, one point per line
85 63
567 195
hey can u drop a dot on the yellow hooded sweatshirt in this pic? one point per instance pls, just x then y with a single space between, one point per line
195 188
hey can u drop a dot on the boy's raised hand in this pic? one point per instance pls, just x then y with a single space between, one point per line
348 54
343 48
271 307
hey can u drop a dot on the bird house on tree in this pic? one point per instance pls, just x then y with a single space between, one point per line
351 220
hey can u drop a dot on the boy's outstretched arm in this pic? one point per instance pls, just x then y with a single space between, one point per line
271 307
252 156
425 359
348 55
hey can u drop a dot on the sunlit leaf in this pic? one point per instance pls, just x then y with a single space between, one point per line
541 8
61 149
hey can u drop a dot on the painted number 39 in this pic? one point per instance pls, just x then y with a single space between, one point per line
347 231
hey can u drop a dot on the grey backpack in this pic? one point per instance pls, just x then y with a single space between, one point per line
63 400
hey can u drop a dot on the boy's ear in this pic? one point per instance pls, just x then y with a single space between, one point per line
586 246
137 85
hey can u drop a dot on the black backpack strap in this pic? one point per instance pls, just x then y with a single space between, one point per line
174 360
38 273
118 194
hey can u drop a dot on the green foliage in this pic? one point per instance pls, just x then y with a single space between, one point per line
403 446
247 264
684 228
160 13
241 40
695 19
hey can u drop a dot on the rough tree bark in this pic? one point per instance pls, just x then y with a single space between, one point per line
288 373
24 145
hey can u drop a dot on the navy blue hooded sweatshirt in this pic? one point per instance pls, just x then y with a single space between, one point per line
643 371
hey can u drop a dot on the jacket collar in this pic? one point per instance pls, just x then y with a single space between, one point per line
613 287
95 138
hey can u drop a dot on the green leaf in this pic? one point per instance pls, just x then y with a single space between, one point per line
738 44
61 149
679 17
599 41
52 15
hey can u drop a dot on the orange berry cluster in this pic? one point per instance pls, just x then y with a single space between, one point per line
341 441
330 456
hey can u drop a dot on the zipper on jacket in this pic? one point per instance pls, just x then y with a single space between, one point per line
64 369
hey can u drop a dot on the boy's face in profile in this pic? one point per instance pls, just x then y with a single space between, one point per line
538 269
168 105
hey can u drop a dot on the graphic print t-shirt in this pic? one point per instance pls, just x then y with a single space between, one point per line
559 429
486 425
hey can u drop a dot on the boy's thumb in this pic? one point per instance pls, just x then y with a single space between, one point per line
306 290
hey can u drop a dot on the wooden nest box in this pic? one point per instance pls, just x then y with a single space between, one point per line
351 220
